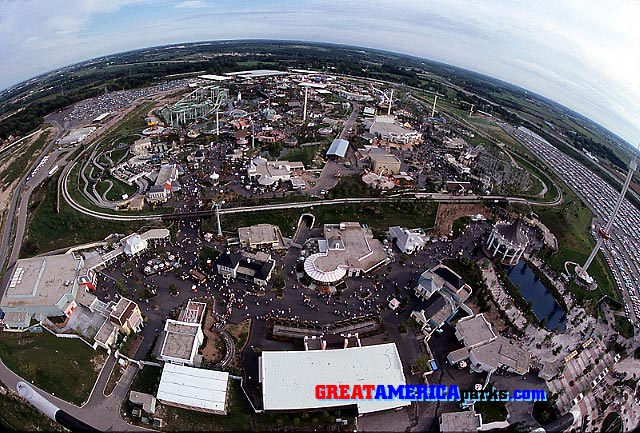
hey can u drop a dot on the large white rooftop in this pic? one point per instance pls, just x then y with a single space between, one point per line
195 388
41 281
338 148
256 73
345 246
289 378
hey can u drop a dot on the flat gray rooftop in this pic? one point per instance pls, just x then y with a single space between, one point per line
259 234
474 330
465 421
41 281
179 339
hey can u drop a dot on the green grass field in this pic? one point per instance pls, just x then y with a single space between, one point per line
571 223
119 189
624 327
48 230
491 411
379 216
16 415
64 367
147 380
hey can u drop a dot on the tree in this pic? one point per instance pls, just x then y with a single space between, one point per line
173 289
122 288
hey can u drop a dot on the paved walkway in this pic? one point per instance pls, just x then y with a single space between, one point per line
505 302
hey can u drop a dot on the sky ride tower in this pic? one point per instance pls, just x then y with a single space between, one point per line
604 233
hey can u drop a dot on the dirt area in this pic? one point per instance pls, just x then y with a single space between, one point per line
97 362
449 212
132 344
213 351
240 335
5 195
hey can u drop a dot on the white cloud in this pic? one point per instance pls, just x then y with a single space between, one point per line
191 4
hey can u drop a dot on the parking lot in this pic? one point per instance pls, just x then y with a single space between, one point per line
622 250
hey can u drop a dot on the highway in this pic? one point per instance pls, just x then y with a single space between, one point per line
20 202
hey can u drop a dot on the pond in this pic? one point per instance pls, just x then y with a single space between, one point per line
544 304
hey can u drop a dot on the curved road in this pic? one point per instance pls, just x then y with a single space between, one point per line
19 204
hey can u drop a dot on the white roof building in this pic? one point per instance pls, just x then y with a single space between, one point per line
269 172
407 241
256 73
485 350
338 148
181 342
388 129
41 287
213 77
133 244
348 249
194 388
289 378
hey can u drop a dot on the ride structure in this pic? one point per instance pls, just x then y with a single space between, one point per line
604 233
200 103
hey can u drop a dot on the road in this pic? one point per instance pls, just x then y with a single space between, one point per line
348 125
20 202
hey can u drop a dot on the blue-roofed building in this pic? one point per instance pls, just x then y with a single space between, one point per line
338 148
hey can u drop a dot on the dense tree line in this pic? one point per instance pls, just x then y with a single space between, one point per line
597 149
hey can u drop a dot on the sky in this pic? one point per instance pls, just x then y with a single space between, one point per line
584 54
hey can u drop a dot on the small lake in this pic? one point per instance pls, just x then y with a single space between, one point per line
543 303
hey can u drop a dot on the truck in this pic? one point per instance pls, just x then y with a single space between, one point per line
198 276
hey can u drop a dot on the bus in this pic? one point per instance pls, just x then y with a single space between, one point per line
198 276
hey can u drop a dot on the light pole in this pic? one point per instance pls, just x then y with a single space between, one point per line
217 206
253 135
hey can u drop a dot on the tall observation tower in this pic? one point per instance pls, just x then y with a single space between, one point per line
604 233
